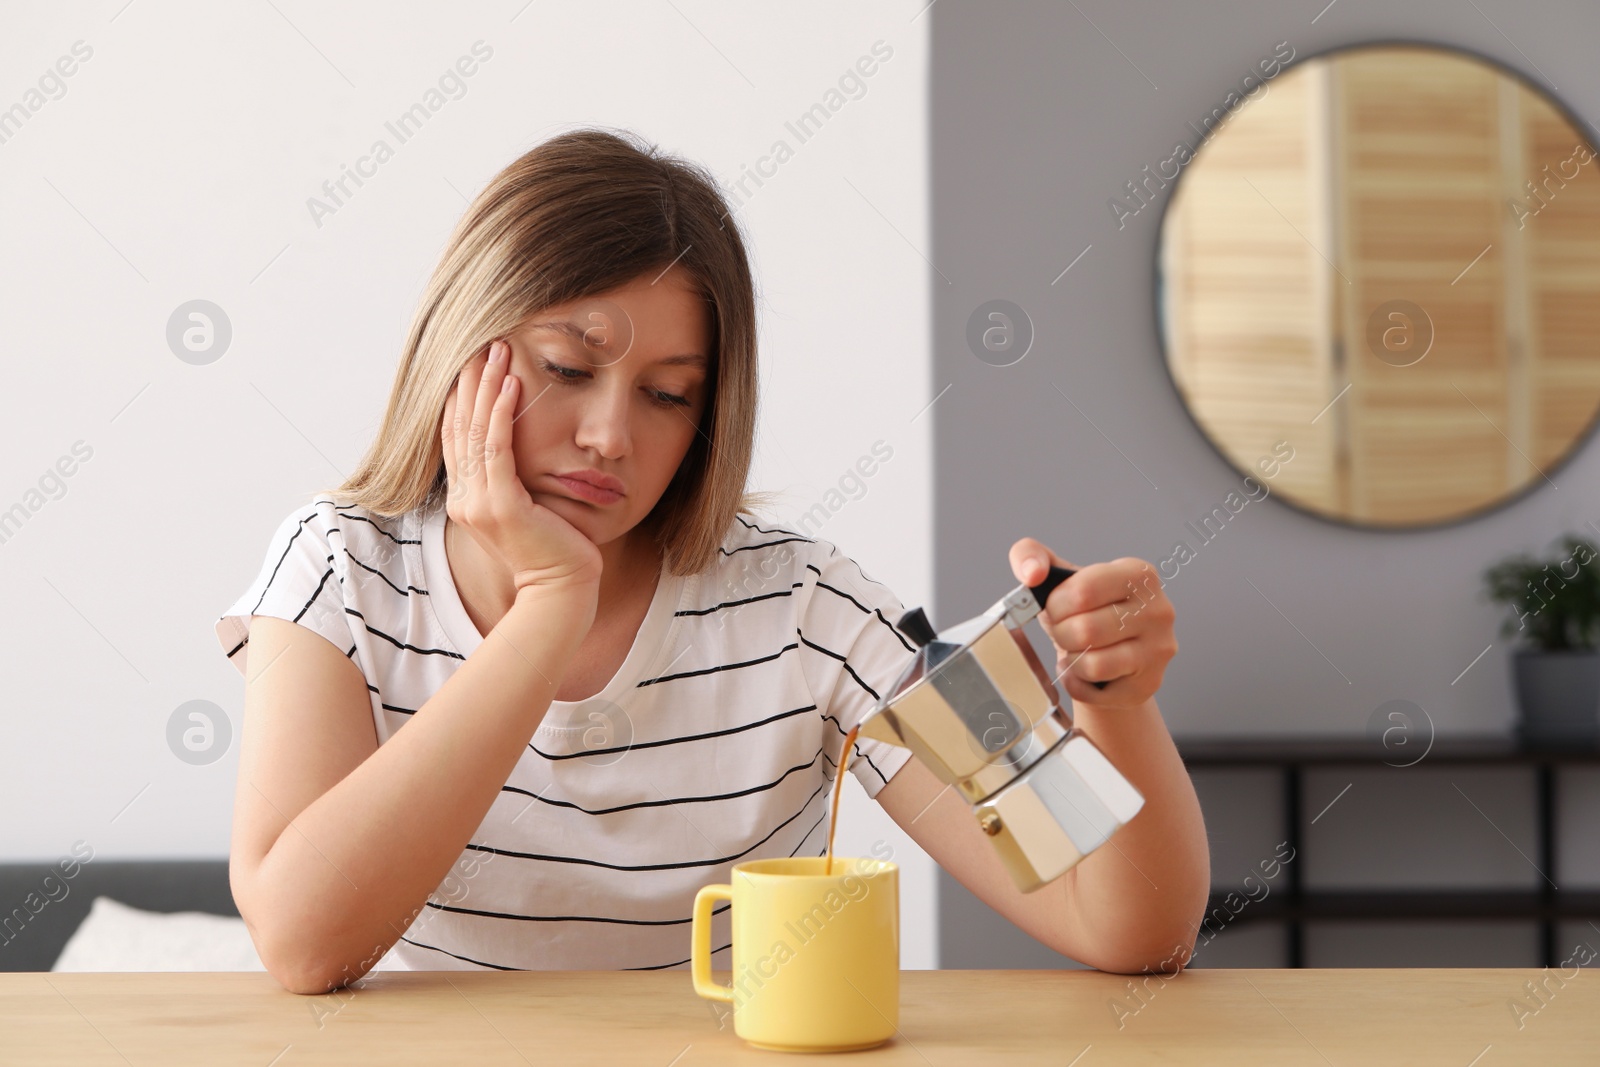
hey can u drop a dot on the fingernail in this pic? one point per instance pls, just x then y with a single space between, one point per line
497 352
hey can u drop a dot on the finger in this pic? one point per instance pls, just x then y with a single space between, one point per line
1100 692
447 440
466 392
1137 613
499 461
1098 664
490 374
1031 560
1100 584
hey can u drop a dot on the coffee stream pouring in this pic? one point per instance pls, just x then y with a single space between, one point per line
979 710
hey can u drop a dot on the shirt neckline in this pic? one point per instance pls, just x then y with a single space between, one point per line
462 632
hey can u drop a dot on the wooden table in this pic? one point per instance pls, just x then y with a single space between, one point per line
956 1018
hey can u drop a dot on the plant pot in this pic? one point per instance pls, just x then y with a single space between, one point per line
1558 695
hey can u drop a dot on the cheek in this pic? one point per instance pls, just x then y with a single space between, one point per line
657 465
681 442
529 445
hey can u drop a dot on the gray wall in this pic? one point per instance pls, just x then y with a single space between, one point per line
1039 115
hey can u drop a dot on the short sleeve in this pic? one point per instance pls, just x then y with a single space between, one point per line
851 653
299 581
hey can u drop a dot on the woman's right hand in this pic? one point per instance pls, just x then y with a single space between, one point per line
487 498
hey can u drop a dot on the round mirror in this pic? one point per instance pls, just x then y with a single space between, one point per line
1385 263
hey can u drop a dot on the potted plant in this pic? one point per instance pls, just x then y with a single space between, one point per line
1555 610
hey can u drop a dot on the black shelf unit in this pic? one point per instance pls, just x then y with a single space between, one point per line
1295 905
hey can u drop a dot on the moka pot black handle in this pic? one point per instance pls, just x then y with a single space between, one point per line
1042 591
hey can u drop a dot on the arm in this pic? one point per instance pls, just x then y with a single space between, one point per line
1137 901
337 841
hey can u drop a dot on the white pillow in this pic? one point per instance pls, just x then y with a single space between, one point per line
116 937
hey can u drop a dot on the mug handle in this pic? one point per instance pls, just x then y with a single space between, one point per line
700 943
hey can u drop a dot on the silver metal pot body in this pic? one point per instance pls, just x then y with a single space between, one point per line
979 710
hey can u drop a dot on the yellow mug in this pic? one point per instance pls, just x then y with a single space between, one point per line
816 957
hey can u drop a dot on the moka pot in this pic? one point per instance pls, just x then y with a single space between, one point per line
978 709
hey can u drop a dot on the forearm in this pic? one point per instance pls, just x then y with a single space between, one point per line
352 871
1140 898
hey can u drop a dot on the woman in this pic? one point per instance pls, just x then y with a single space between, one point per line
535 672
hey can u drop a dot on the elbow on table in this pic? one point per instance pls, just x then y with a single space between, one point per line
309 978
302 984
290 951
295 970
1150 940
295 966
1167 939
1168 962
1153 955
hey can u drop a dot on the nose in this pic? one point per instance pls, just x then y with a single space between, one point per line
603 418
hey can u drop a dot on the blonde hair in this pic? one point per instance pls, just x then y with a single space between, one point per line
577 215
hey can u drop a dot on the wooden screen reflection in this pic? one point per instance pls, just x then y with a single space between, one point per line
1389 258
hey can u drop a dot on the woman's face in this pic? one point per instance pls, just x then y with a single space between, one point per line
602 390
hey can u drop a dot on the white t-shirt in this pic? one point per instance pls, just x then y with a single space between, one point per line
716 741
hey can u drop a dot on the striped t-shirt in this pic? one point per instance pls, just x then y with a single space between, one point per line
716 742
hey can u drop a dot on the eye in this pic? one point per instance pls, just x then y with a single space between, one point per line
559 371
570 376
671 399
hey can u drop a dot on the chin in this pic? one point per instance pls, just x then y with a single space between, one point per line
585 516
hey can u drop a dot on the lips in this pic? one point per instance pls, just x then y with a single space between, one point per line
581 484
598 479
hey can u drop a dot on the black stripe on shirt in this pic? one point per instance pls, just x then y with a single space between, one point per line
761 529
763 544
803 840
680 963
870 611
736 603
570 918
857 746
652 866
842 661
465 959
499 967
407 591
315 593
380 529
721 667
386 707
287 546
401 644
852 763
659 803
668 740
833 550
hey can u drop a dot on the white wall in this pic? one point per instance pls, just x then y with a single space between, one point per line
177 164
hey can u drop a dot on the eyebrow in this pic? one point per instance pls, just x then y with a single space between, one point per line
688 359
